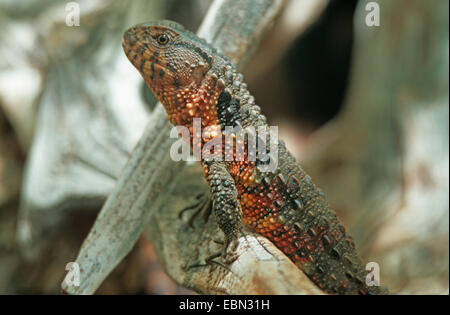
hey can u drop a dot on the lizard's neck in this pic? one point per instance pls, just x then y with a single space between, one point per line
195 101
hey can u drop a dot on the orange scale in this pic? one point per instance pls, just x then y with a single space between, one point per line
287 250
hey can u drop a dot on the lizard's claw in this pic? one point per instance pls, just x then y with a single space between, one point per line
202 205
228 254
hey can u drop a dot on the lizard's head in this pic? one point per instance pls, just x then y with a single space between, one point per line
174 63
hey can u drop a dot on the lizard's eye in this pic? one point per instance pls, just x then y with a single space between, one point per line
162 39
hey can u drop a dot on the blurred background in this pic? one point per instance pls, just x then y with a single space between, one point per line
364 109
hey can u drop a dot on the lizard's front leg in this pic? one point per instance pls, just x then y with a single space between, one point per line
226 207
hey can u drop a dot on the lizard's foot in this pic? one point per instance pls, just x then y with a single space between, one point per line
203 205
209 261
229 251
227 255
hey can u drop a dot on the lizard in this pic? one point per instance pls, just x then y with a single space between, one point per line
193 80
